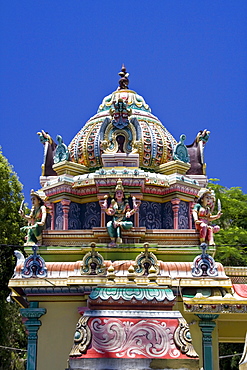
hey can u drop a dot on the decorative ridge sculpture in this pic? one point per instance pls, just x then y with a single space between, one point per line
124 81
204 264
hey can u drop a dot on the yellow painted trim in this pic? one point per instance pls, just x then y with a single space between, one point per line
215 300
203 283
231 339
172 167
70 168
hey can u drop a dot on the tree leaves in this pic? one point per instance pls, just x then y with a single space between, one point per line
231 241
12 333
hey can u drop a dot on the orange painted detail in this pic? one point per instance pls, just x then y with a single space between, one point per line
240 289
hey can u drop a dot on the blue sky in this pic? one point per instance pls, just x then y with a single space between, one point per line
188 59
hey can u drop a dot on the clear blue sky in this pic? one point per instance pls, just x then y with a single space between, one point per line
188 59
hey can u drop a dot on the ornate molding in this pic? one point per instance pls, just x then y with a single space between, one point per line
216 308
183 340
129 293
144 261
34 265
93 263
32 314
127 297
204 264
133 338
208 317
134 314
82 337
56 291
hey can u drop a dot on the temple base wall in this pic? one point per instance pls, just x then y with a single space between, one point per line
55 336
132 364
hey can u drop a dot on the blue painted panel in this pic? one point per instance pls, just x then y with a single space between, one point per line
150 215
183 215
58 216
168 216
84 216
48 222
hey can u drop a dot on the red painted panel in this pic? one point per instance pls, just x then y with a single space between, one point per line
132 338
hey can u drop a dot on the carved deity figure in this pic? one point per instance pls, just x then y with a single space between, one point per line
120 211
36 219
61 152
202 214
120 114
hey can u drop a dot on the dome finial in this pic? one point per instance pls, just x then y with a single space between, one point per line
124 81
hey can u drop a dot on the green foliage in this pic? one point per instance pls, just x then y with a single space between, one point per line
10 222
230 363
231 241
12 333
231 244
10 201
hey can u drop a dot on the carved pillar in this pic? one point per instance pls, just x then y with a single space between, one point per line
191 206
102 213
136 215
51 207
65 205
175 207
52 216
207 326
33 313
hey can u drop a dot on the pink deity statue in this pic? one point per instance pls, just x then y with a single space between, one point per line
202 214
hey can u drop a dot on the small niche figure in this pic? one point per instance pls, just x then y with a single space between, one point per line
202 214
120 211
36 219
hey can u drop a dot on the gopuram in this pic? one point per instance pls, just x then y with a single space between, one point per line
120 273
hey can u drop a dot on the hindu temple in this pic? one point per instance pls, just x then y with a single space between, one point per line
120 271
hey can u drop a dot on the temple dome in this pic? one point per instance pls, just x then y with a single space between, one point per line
124 123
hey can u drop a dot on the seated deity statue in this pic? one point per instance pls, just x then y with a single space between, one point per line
36 219
202 214
120 211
